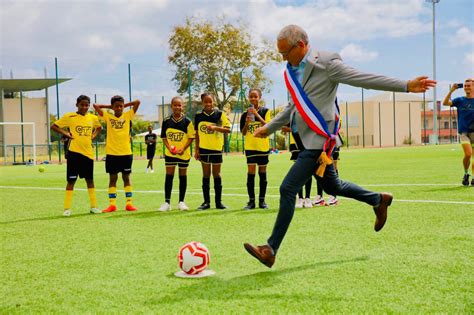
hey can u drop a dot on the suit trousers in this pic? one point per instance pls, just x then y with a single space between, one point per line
301 171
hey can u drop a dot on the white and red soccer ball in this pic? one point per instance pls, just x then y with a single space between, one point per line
193 258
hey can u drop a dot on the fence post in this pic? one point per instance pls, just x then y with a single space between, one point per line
394 123
409 123
347 124
57 102
380 127
363 120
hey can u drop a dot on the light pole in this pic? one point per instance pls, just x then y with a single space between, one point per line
435 103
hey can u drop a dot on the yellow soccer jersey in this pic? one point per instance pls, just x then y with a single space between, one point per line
178 132
81 128
251 142
118 133
211 140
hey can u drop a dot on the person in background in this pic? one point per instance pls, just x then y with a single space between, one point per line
465 107
83 127
210 125
177 132
118 148
256 149
150 140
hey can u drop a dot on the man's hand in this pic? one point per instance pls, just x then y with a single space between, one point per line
420 84
196 155
261 132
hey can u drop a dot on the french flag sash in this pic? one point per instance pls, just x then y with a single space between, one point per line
313 118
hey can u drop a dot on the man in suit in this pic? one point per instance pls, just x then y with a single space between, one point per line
319 74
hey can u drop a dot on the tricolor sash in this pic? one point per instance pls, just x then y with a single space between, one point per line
313 118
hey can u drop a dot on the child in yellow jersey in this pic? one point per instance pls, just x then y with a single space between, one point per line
210 125
177 132
83 128
256 149
119 156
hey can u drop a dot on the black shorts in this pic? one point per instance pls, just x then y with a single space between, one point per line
115 164
172 161
335 153
256 157
79 165
150 152
210 156
294 152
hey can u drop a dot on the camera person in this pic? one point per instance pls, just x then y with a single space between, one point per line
465 107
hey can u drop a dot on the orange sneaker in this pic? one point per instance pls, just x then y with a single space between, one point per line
110 208
130 207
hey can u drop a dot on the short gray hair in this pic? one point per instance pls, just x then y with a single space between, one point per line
293 34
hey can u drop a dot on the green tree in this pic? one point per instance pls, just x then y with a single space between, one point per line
214 56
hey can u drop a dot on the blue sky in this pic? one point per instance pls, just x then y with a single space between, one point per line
96 40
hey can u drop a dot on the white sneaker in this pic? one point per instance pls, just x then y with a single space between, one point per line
95 210
67 213
319 201
332 201
146 171
152 170
307 203
182 206
299 203
165 207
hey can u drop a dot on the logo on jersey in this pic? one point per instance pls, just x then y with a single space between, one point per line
117 124
253 126
174 136
203 129
84 130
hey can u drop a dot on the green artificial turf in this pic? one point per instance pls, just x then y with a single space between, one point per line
331 260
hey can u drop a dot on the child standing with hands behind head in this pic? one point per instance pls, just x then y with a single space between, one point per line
118 148
256 149
210 125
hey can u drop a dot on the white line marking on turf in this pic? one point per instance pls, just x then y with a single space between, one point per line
362 185
234 195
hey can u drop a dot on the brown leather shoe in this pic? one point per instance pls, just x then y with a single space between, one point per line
263 253
381 210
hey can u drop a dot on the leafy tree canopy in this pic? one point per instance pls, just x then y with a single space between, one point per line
212 57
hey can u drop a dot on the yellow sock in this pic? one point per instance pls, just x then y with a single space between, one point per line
68 199
112 195
128 194
92 197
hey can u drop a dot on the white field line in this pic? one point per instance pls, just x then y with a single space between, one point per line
235 195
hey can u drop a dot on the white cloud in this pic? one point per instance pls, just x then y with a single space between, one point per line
463 37
353 52
469 61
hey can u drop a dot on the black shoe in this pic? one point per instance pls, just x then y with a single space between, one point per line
465 180
250 205
204 206
262 205
472 182
220 205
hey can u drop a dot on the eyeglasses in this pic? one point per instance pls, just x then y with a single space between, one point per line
286 53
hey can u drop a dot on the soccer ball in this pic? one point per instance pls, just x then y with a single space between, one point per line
193 258
41 169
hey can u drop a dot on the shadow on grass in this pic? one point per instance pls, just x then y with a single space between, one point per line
56 217
244 287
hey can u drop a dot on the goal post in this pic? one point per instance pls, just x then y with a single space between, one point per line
5 136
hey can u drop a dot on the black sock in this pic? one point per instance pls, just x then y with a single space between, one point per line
183 183
206 186
263 186
308 188
251 186
168 187
218 189
300 193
